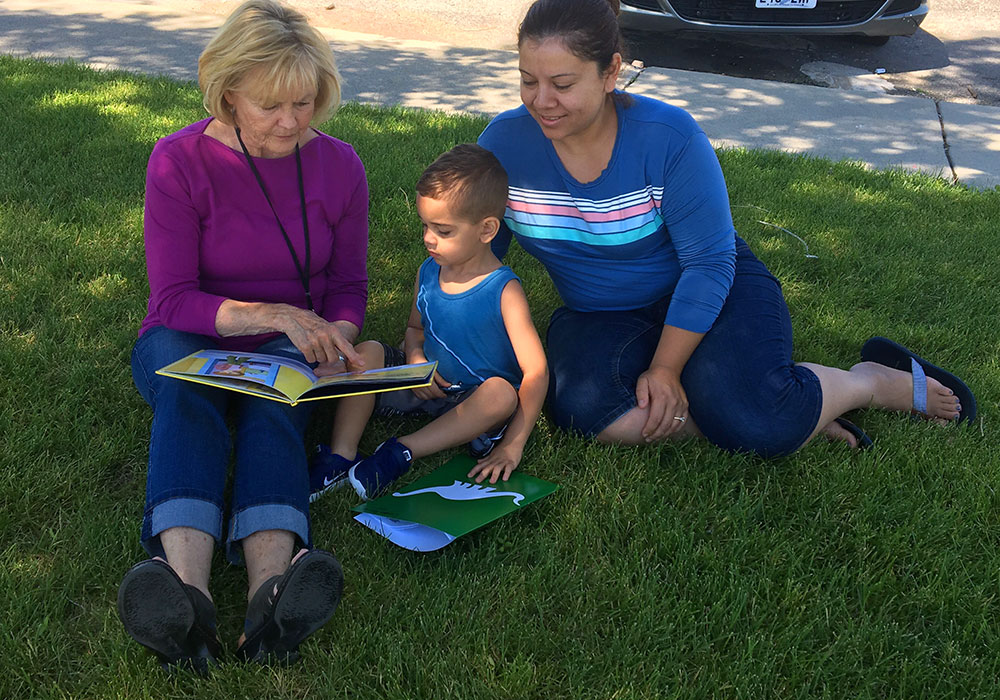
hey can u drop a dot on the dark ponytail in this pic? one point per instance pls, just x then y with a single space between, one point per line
588 28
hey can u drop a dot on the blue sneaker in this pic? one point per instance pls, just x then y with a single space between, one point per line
484 444
372 475
327 471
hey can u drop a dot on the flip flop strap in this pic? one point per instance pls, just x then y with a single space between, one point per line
919 387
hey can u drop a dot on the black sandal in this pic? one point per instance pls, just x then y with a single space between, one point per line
170 618
864 442
286 609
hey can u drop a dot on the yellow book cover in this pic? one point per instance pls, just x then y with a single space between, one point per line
281 379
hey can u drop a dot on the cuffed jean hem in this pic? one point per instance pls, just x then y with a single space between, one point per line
195 513
267 516
190 444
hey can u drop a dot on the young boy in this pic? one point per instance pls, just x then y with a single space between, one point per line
470 314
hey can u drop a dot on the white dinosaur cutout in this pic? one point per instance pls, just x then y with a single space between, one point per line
463 491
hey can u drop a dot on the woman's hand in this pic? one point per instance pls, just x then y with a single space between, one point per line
659 389
331 344
426 393
498 464
326 369
320 341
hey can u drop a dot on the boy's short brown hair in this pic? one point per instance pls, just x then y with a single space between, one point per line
471 179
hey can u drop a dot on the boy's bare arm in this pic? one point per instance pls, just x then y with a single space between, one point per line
534 384
413 348
413 339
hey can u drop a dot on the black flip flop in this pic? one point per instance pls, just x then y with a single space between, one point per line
306 598
864 442
891 354
170 618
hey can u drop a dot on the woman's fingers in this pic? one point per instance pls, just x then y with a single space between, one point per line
650 396
674 409
642 391
327 369
653 427
671 423
667 404
327 336
301 333
321 341
352 357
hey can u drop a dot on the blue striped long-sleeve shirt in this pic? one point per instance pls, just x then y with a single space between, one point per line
656 222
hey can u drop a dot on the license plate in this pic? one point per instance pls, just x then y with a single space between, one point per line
790 4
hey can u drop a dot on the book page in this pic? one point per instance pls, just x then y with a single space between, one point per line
257 373
404 374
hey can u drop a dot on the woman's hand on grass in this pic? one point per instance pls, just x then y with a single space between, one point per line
659 389
498 464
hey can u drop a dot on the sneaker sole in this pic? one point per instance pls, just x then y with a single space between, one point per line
359 488
338 484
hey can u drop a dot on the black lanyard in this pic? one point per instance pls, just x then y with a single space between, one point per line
303 271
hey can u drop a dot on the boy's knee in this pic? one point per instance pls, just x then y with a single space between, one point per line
373 354
502 395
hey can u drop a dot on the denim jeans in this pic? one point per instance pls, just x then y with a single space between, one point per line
190 446
744 391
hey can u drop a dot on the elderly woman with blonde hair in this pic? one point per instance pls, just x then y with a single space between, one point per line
256 233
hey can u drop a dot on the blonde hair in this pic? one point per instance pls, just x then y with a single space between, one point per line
277 42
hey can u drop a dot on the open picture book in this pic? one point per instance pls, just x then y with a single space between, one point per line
438 508
288 381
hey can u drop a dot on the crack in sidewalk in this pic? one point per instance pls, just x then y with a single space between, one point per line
944 141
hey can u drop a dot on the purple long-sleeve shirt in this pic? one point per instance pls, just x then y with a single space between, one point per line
211 236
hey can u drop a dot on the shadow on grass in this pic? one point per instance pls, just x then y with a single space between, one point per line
676 567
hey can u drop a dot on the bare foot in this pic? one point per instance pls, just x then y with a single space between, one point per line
893 390
834 433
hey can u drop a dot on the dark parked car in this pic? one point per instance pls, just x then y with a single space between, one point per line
875 20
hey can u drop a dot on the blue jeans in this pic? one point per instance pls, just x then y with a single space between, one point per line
190 444
743 389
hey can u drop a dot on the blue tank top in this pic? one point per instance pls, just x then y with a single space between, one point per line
464 332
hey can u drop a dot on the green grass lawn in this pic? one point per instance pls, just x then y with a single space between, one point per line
672 571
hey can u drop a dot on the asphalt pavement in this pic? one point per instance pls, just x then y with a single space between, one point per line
959 142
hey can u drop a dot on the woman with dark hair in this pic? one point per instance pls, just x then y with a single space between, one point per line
671 327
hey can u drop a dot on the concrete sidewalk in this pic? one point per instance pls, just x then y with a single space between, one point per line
956 141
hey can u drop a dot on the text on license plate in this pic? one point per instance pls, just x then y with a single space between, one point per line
798 4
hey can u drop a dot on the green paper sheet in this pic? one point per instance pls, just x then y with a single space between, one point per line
445 504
